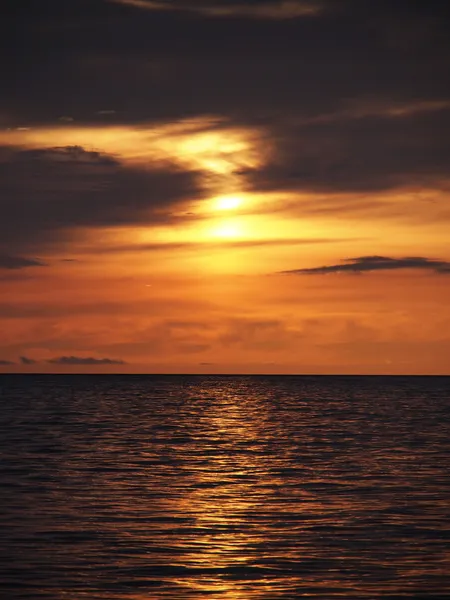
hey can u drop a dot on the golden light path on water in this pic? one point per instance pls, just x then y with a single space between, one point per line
229 504
233 489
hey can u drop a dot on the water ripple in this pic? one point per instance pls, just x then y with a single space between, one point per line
240 488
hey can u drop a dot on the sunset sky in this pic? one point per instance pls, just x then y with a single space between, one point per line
212 186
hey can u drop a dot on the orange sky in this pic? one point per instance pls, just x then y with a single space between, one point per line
204 290
225 189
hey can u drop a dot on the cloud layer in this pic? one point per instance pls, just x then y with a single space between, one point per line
84 361
66 361
123 121
365 264
348 92
51 192
166 64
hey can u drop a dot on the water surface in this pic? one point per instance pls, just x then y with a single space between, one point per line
235 488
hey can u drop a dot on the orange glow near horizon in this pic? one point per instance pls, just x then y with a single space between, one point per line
200 287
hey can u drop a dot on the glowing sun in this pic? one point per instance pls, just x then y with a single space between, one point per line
228 229
227 202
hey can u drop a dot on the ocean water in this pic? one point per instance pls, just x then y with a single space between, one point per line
235 488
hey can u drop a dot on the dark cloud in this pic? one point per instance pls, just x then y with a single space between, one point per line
78 360
269 9
364 264
76 58
6 363
25 360
18 262
346 152
50 191
314 83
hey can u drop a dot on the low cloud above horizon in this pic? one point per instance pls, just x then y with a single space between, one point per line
65 361
88 360
25 360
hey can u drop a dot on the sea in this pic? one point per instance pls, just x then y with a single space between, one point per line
123 487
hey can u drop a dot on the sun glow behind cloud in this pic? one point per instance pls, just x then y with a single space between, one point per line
216 245
209 145
215 150
228 229
219 152
128 230
227 202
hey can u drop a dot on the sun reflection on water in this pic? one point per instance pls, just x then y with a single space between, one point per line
227 502
238 488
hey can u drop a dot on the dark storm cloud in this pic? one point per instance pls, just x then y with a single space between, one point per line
104 62
364 264
50 191
78 360
349 152
18 262
76 58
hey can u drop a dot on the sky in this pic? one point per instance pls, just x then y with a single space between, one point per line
211 186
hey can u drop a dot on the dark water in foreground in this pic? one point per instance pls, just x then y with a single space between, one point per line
234 488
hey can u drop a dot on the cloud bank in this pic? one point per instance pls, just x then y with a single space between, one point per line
350 94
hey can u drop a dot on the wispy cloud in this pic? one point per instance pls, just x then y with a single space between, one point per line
84 361
18 262
25 360
365 264
215 245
